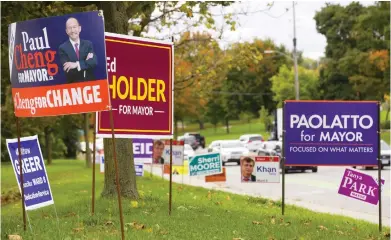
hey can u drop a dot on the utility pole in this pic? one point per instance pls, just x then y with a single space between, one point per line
295 54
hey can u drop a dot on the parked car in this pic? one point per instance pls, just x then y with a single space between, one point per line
190 140
188 152
277 151
251 141
200 139
230 150
385 152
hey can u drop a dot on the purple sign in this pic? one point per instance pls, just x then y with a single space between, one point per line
142 149
360 186
37 191
331 133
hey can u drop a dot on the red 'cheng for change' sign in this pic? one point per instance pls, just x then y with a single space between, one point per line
140 73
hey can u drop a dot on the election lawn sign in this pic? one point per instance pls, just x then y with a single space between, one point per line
205 164
360 186
343 133
37 192
177 152
140 73
142 154
48 77
267 169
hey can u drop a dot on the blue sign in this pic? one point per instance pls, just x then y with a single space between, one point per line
205 164
139 168
37 191
334 133
58 65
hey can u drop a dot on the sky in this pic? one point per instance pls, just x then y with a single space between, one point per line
275 23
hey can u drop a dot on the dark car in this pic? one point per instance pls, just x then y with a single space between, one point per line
199 138
277 152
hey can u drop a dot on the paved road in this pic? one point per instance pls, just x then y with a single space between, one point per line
316 191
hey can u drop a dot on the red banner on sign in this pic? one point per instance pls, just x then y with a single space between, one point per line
266 159
140 73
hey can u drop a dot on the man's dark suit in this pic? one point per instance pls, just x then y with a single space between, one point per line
67 54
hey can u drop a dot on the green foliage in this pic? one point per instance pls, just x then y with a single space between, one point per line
358 48
266 119
283 84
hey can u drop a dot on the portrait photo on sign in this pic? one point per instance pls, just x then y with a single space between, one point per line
58 65
157 155
247 169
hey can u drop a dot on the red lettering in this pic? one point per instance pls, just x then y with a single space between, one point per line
37 60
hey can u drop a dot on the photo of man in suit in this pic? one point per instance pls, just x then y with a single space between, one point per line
158 148
77 56
247 168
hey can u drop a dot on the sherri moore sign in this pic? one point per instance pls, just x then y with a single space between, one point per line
331 133
141 82
58 65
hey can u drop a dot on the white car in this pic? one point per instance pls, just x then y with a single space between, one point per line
252 141
272 145
230 150
385 152
188 152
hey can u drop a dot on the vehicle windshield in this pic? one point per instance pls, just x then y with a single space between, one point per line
232 144
384 146
257 138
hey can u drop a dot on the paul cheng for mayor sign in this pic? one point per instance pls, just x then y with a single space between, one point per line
331 133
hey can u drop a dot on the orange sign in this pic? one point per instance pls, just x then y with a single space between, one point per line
217 177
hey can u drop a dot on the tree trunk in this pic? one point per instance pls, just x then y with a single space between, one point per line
201 124
175 127
116 21
127 174
86 140
48 144
227 125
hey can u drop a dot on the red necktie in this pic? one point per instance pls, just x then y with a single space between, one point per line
77 50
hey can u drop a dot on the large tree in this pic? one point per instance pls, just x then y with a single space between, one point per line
141 15
357 51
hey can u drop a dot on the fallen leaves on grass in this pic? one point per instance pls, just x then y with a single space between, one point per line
219 203
134 204
257 223
79 229
273 220
209 195
228 198
307 222
182 208
323 228
71 214
109 223
136 225
163 232
14 237
387 234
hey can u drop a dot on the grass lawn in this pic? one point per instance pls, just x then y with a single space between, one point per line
196 213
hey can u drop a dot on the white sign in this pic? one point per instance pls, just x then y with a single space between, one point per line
177 152
265 169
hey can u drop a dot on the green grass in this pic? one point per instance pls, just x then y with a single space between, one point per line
196 214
